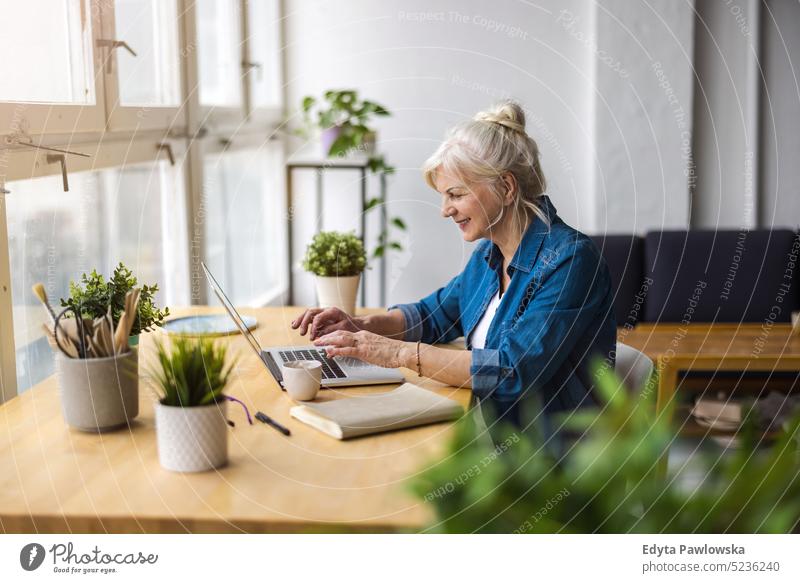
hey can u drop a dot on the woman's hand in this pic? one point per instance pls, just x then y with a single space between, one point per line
324 321
368 347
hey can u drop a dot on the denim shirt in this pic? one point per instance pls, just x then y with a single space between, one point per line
553 322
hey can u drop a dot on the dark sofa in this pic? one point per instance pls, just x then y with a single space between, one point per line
704 276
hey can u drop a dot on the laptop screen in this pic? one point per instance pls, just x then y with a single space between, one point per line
237 319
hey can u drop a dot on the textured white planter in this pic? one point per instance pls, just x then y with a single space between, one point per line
338 292
192 439
99 394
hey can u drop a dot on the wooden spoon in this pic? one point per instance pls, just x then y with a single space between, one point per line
126 321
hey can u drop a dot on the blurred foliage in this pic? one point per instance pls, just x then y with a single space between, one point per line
610 480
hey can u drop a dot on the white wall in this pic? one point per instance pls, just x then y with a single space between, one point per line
620 93
726 134
642 114
433 64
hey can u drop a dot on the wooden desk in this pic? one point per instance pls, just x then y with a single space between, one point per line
713 347
53 479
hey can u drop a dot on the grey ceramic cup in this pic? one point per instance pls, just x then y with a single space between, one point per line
99 394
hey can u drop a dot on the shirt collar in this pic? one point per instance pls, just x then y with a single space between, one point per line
531 242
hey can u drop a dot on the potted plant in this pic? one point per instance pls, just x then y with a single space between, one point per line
191 427
337 260
343 121
93 296
99 394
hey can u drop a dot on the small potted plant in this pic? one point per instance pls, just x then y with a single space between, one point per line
93 296
337 260
343 120
191 428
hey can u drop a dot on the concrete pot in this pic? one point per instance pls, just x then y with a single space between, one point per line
99 394
338 292
192 439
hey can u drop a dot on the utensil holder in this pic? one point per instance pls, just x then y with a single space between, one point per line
99 394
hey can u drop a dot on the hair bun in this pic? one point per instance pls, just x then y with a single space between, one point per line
508 114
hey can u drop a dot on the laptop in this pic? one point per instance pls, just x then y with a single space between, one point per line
336 372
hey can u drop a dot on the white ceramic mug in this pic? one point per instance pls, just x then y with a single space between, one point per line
302 378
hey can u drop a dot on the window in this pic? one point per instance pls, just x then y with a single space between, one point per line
264 46
143 87
110 97
133 214
51 47
219 58
48 67
244 202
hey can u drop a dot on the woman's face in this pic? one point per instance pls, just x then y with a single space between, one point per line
472 206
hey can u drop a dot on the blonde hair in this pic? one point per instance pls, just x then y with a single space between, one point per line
491 144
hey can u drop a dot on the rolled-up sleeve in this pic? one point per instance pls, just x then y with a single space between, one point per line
413 319
436 317
566 301
486 370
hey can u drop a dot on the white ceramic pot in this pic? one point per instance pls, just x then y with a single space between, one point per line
192 439
338 292
99 394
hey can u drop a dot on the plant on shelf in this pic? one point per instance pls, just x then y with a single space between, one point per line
609 480
344 123
343 120
93 296
190 412
337 260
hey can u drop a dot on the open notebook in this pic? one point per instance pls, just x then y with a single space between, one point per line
406 406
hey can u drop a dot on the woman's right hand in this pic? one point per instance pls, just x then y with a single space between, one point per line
321 321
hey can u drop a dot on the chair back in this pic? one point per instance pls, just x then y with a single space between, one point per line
633 368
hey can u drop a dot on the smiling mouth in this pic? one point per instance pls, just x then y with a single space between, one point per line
462 222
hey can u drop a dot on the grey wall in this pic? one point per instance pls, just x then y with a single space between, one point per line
780 115
642 114
726 134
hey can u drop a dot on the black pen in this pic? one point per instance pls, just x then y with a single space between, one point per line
270 421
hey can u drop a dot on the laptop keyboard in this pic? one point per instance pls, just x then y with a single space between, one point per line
330 369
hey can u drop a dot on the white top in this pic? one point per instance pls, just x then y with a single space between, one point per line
478 336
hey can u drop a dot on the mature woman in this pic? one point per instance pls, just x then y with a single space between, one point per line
534 302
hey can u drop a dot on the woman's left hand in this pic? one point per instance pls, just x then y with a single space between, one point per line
366 346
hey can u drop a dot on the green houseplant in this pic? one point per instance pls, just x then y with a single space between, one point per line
93 296
190 413
337 260
610 481
344 122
